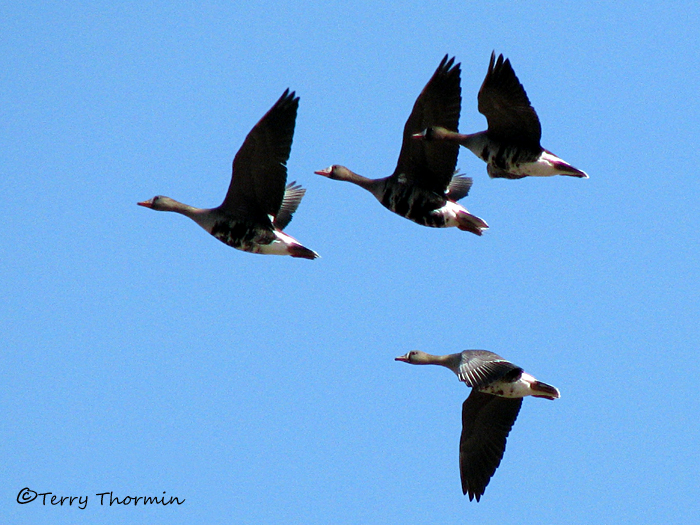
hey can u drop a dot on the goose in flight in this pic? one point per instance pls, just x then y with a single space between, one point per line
259 204
498 387
424 187
511 144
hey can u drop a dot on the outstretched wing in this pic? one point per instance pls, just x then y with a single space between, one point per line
260 166
486 423
480 367
504 103
459 187
431 164
293 194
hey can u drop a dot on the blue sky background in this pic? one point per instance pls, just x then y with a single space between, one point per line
140 355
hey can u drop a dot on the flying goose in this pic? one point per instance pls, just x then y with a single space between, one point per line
488 414
424 187
258 205
511 144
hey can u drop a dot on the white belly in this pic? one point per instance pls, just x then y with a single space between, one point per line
545 166
519 388
280 246
450 211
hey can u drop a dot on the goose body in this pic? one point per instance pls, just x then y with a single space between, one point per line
488 414
259 204
511 144
424 187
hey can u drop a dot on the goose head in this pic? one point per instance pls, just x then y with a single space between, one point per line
160 203
335 172
426 134
430 133
415 357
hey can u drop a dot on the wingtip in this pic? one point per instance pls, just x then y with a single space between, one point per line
294 186
288 97
473 495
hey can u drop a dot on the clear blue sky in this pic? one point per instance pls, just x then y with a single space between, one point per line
140 355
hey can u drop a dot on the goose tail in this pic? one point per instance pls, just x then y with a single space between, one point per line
544 390
302 252
471 223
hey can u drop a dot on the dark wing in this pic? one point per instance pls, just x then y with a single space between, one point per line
486 423
480 367
504 103
431 163
260 166
459 187
293 194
